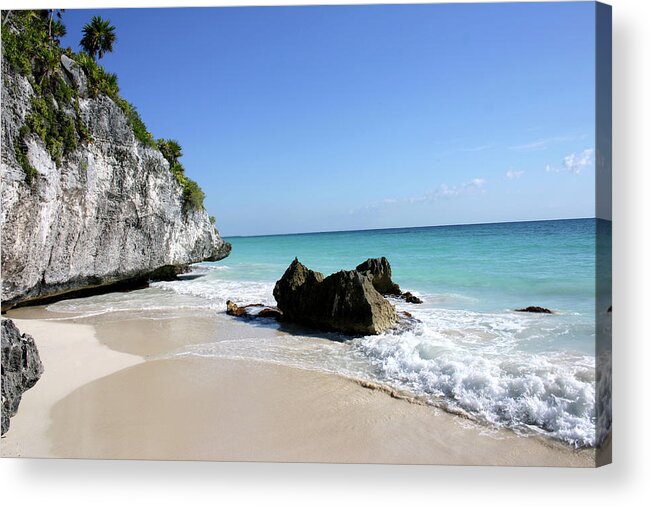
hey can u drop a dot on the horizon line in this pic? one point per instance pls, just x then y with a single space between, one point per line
407 227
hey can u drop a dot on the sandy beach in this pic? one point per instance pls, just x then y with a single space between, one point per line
110 390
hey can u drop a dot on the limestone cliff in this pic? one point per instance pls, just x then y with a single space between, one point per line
108 211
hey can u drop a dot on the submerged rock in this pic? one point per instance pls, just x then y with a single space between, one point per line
252 311
410 298
21 368
346 301
233 309
267 312
379 272
534 309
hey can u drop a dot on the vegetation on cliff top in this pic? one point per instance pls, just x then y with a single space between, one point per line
31 47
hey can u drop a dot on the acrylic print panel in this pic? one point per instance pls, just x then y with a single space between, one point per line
369 234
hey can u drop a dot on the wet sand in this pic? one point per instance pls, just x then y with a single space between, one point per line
72 357
125 401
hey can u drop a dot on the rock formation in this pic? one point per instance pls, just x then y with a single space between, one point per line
410 298
21 368
252 311
534 309
234 310
108 212
345 301
379 272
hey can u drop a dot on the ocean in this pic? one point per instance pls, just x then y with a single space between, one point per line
470 353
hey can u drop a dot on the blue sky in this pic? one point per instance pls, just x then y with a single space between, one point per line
297 119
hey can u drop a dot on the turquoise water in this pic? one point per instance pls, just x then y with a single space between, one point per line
469 352
550 263
483 268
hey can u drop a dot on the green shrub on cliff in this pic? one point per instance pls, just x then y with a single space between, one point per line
99 81
29 49
21 157
23 39
193 196
137 125
170 149
53 126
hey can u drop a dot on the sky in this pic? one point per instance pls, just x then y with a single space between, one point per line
323 118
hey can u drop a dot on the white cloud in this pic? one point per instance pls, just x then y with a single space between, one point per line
535 145
574 162
577 162
541 144
443 191
514 175
483 147
469 187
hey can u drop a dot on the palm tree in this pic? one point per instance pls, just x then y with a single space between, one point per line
57 30
99 37
54 28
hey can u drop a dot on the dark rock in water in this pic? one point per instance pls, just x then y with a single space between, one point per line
21 368
406 322
534 309
169 273
379 272
253 311
269 313
410 298
610 309
346 301
233 309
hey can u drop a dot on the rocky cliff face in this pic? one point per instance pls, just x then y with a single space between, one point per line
109 212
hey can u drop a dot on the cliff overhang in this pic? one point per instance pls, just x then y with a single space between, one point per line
88 201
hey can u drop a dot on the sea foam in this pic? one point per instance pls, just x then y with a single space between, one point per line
482 364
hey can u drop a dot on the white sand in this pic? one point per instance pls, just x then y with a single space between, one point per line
71 357
94 402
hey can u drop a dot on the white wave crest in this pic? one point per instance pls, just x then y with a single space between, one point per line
553 392
220 291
